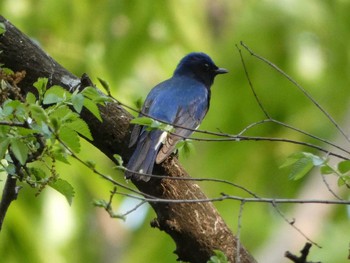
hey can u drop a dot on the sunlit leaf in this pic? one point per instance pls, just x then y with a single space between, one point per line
56 94
301 168
92 107
38 113
105 85
64 188
30 98
70 138
78 102
4 143
119 159
41 85
20 150
81 127
344 166
326 169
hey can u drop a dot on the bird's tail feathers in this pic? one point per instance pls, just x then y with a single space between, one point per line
143 159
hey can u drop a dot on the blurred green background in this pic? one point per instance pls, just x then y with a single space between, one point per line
136 44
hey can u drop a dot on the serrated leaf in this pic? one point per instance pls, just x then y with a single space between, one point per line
64 188
30 98
20 150
78 102
70 138
92 107
301 168
344 167
41 85
56 94
4 143
38 113
61 154
38 173
91 93
64 114
81 127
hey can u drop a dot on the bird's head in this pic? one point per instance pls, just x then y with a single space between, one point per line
200 66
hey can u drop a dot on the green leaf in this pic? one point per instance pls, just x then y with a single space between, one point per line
38 173
70 138
81 127
100 203
38 113
2 28
4 143
91 93
78 102
327 169
146 121
344 167
20 150
30 98
64 188
185 148
301 168
105 85
292 159
56 94
63 114
41 85
92 107
219 257
61 154
119 159
342 180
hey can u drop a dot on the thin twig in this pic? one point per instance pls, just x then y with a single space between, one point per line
251 85
299 87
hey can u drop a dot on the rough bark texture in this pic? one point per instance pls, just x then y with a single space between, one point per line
196 228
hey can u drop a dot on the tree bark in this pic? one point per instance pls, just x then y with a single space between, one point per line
196 228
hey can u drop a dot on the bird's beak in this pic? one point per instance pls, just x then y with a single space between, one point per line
221 71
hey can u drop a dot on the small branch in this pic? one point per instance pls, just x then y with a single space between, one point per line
308 95
251 85
9 194
304 253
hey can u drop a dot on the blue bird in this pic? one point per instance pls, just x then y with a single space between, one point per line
183 101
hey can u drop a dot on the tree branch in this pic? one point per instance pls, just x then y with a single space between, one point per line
196 228
9 194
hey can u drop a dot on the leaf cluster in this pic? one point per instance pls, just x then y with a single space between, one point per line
38 130
301 163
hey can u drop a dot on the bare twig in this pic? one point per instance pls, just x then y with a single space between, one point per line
307 94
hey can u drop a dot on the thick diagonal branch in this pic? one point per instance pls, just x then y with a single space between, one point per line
196 228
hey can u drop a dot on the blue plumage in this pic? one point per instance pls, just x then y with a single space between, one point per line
182 100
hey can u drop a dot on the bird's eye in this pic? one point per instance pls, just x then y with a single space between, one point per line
206 66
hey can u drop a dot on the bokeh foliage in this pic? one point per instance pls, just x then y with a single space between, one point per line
136 44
